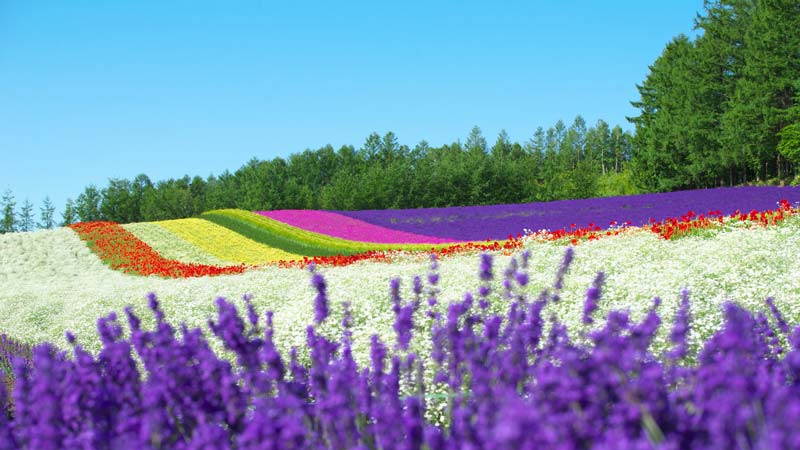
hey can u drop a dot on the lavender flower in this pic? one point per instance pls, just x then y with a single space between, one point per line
485 272
562 270
592 297
678 336
394 290
776 314
321 300
522 278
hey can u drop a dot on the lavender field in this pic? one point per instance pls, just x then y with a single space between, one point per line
400 226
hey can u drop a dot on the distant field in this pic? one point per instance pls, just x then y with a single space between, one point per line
233 237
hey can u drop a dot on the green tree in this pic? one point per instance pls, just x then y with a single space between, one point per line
535 148
789 146
139 186
662 127
9 223
69 215
197 191
117 201
502 147
767 85
255 184
26 222
222 192
598 142
371 148
46 214
87 206
170 199
390 149
711 110
475 142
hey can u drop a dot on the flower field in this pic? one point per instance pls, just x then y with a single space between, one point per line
55 280
726 256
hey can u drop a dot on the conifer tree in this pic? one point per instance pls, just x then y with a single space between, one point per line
69 215
46 214
26 222
9 222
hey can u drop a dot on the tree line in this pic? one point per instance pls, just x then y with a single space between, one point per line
561 162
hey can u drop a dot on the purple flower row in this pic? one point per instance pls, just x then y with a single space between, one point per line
500 221
508 384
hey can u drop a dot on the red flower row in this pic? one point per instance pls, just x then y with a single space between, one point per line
688 223
122 250
382 256
673 227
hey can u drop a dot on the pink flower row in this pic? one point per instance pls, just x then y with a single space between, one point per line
343 227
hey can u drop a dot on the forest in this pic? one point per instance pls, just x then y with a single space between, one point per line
720 109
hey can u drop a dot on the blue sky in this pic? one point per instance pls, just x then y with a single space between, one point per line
91 90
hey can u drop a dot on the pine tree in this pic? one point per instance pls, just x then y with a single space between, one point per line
764 98
475 143
46 214
790 143
9 223
502 147
26 222
69 215
88 204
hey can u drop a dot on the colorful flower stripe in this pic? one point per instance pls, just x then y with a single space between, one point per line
498 221
344 227
121 250
224 243
171 246
280 235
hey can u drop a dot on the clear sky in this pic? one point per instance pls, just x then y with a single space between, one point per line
91 90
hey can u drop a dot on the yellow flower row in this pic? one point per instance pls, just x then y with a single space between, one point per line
224 243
